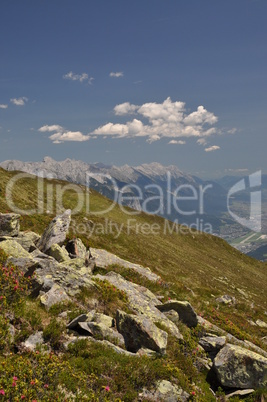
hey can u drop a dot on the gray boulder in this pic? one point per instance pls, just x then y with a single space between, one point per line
186 312
60 254
81 318
173 316
13 249
104 258
237 367
34 340
141 300
226 299
26 265
56 232
101 331
55 295
9 224
164 391
28 240
139 332
104 319
212 344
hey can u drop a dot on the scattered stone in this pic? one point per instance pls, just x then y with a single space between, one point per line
26 265
226 299
58 253
12 332
212 344
173 316
103 259
9 224
83 329
76 248
240 392
76 263
237 367
13 249
73 324
55 295
211 328
164 391
105 343
141 301
56 232
99 330
140 332
186 312
34 340
27 240
104 319
147 352
261 324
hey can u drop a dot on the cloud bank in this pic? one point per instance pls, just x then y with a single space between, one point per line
3 106
160 120
152 121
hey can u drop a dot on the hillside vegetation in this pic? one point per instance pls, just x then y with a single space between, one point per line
193 266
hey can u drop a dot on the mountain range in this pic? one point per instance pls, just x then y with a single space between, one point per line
162 190
149 187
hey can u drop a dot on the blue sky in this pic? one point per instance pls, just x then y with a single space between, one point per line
117 81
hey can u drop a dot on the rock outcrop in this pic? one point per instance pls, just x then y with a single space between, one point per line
141 301
164 391
186 312
56 232
139 332
9 224
237 367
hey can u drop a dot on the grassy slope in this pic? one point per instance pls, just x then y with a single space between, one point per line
197 267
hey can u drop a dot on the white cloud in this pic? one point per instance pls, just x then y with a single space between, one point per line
232 131
202 141
125 108
62 135
78 77
19 101
160 120
116 75
3 106
47 128
212 148
180 142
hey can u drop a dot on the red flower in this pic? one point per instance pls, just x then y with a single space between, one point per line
2 392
